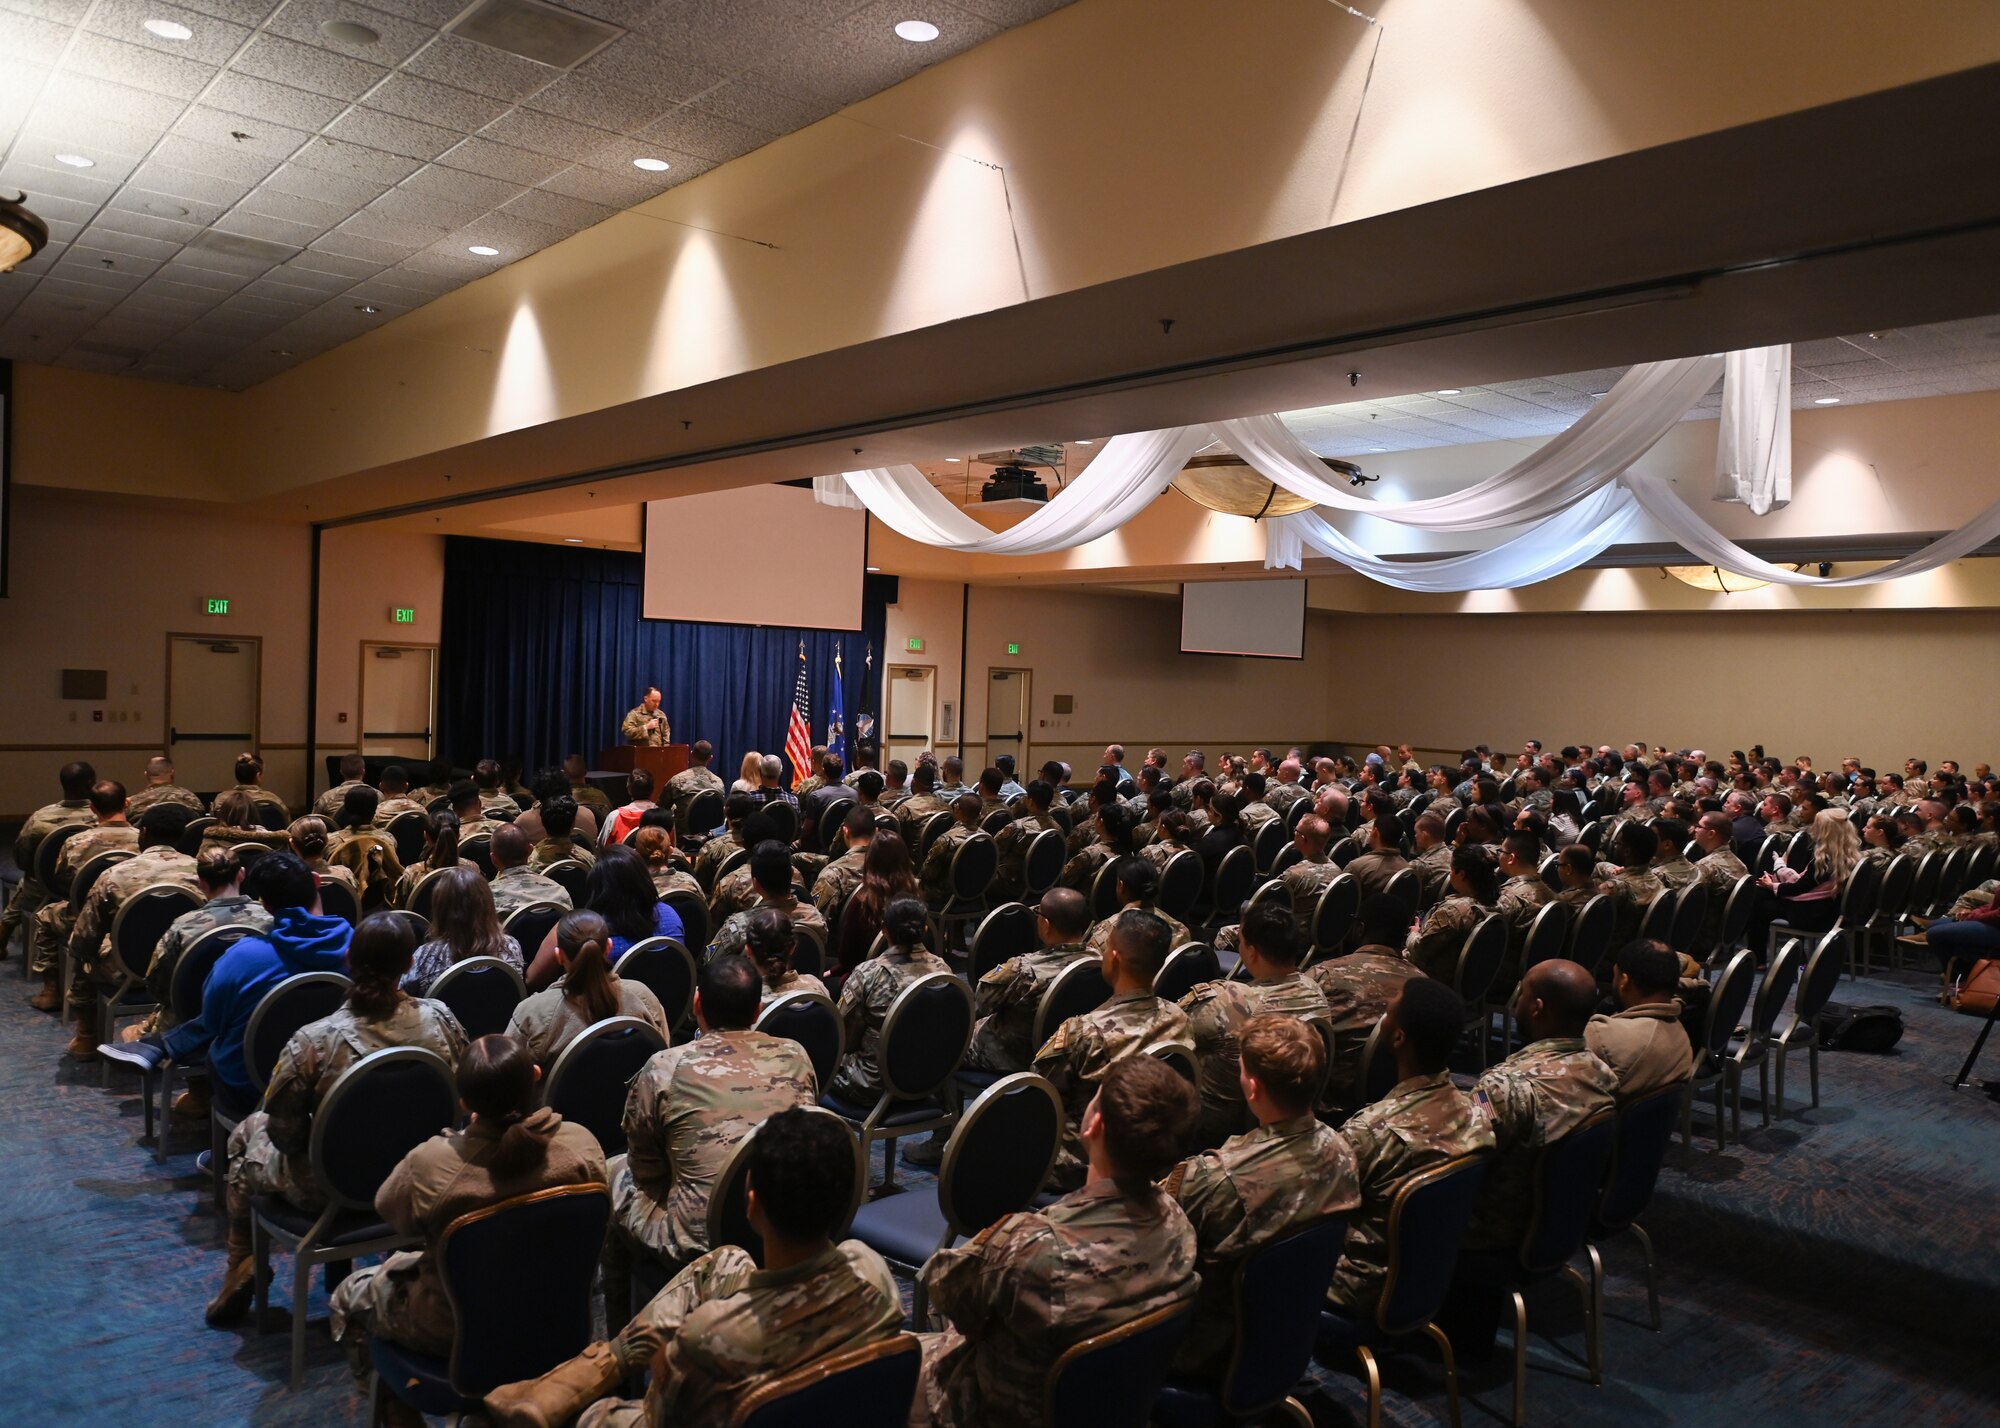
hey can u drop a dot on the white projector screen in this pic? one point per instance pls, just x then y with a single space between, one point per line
1264 618
762 555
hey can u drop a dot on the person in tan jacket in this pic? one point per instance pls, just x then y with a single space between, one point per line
509 1147
1645 1043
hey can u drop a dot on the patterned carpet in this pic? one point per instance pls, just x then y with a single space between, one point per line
1837 1267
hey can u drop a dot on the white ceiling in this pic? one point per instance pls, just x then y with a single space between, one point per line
261 193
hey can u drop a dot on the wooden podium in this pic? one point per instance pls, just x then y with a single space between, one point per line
662 763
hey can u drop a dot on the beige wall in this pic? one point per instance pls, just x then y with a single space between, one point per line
100 584
366 572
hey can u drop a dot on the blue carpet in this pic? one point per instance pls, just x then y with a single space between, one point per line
1835 1268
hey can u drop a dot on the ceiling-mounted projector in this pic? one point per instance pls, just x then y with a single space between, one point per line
1014 477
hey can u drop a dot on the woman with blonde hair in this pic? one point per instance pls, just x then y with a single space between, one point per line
750 777
1809 901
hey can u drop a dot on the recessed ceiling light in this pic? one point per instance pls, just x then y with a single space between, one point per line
165 209
1604 393
1378 448
76 161
572 540
951 458
874 570
483 251
1826 401
917 32
652 166
366 307
169 29
1086 443
1448 391
348 32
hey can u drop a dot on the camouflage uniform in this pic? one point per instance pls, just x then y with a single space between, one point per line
1358 989
1099 936
1215 1011
327 805
935 878
492 801
1632 890
258 794
789 983
864 1005
838 880
1433 873
229 910
634 731
735 892
1257 1187
1284 796
269 1151
1421 1123
1080 872
917 810
673 879
1538 1095
1521 899
1254 815
1435 946
558 850
156 794
1160 852
388 810
687 1110
1076 1056
1373 869
588 796
54 921
688 785
30 894
714 853
1006 999
548 1021
516 888
1674 871
1035 1282
90 942
731 1327
734 934
1010 878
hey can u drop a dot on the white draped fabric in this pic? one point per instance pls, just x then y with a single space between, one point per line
1711 547
1753 451
1127 476
1559 544
1624 424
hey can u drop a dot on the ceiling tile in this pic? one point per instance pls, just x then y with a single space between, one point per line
38 182
26 37
544 134
293 275
594 185
458 265
557 210
134 65
434 103
272 203
67 12
452 186
303 67
274 230
356 161
261 100
615 159
241 134
379 227
301 20
318 259
67 210
425 12
241 164
145 225
241 12
113 149
110 240
759 108
81 96
705 135
402 205
415 281
160 177
370 250
212 42
599 104
344 191
186 270
392 134
663 72
461 63
722 33
501 161
514 237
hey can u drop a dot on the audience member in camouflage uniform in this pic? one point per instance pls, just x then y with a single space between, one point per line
352 769
1083 1048
692 782
55 920
395 798
1359 987
558 844
91 959
363 851
686 1112
1422 1122
935 878
1381 856
922 805
1433 860
585 793
770 886
515 884
722 1327
1522 896
769 943
718 850
869 992
76 779
1670 863
1035 1282
221 878
1011 843
1217 1011
161 788
1631 884
1010 994
1110 838
250 783
1138 885
1474 895
838 879
1262 1184
587 992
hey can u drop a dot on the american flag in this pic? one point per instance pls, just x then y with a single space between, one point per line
798 734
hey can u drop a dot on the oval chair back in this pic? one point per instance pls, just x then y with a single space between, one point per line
1180 1056
1820 977
1065 820
419 925
1007 931
1781 974
198 959
1234 876
1427 1223
932 830
1334 912
973 864
1104 891
571 876
830 823
1000 1152
924 1036
478 851
1551 879
1980 868
531 924
1727 1005
270 817
869 1387
190 839
1590 935
289 1005
995 820
1591 835
1861 895
728 1206
1043 863
143 919
1737 911
1568 1178
1180 884
808 949
1278 1290
1480 959
1407 888
738 859
1656 924
482 993
380 1109
1375 1077
588 1082
1767 855
540 1249
1452 820
693 913
336 899
94 867
703 813
814 1023
666 969
1547 934
1898 883
1296 814
1645 1130
1269 842
1078 988
784 819
1799 852
1186 967
1270 894
1288 858
1344 852
1951 880
1111 1379
420 895
406 831
1690 913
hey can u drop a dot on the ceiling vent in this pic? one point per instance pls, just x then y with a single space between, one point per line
546 34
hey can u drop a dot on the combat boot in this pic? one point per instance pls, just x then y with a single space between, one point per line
558 1395
83 1045
49 998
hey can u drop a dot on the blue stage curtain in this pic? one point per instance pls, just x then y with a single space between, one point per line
544 649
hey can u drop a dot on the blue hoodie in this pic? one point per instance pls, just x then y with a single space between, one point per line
297 942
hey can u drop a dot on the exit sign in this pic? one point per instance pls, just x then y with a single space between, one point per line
214 606
1013 649
914 644
403 615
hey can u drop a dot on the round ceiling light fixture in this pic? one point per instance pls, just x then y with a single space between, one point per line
22 234
1826 401
483 251
76 161
1223 481
917 32
169 29
348 32
1448 391
652 166
366 307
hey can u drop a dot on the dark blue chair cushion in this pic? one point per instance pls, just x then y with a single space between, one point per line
976 1081
420 1380
876 1392
357 1228
1187 1405
906 1113
906 1228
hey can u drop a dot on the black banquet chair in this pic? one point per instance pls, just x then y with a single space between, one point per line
1111 1380
813 1021
666 969
869 1387
923 1041
588 1082
482 993
1645 1130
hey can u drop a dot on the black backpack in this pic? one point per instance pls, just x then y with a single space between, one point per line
1852 1028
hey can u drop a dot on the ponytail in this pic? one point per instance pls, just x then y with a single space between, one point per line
377 958
768 942
584 938
444 842
308 835
496 1080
